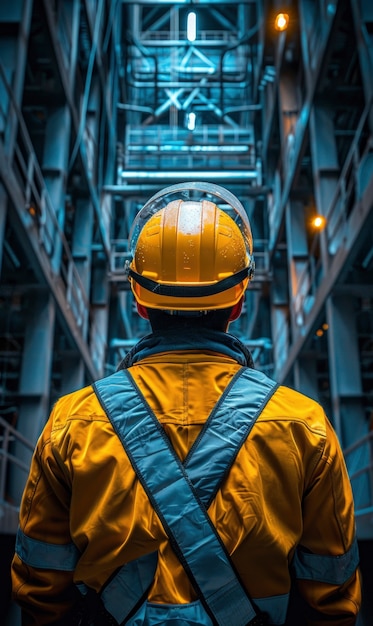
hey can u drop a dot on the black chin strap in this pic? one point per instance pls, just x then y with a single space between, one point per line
192 291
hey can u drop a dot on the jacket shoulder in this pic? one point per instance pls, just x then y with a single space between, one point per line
80 404
289 405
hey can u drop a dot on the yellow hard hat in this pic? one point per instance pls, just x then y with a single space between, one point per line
192 249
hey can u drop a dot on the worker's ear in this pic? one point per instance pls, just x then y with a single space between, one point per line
142 311
236 311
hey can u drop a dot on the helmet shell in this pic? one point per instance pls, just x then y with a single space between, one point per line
190 243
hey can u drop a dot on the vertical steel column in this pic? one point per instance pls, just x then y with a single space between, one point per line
362 12
280 316
297 251
35 379
99 316
81 248
348 415
72 10
344 368
72 373
288 111
72 365
305 376
325 166
3 213
55 163
13 54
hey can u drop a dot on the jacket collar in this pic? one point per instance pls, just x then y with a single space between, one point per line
201 340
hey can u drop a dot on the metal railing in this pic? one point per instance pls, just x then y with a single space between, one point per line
359 460
9 436
50 236
39 205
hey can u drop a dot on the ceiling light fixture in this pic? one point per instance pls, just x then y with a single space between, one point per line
191 121
191 26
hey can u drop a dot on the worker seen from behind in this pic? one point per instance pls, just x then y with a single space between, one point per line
188 487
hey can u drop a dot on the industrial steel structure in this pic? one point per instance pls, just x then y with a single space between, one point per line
102 103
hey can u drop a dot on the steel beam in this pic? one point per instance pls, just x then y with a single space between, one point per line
187 2
176 176
139 190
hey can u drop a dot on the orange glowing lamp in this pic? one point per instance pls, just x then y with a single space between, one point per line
281 21
319 222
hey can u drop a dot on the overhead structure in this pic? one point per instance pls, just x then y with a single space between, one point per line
169 80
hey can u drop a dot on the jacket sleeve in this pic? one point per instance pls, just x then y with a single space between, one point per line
325 564
43 565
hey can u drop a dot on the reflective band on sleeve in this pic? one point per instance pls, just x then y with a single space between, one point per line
334 570
46 555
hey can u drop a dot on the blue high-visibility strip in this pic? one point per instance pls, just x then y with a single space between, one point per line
45 555
193 613
275 607
168 487
226 429
127 587
334 570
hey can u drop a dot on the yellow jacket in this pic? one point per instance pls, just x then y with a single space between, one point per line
287 492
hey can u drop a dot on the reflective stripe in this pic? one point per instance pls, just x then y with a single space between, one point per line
169 488
208 455
334 570
193 614
45 555
123 592
275 607
82 588
226 429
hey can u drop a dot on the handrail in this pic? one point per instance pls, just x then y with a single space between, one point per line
30 169
357 444
9 434
359 461
48 228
